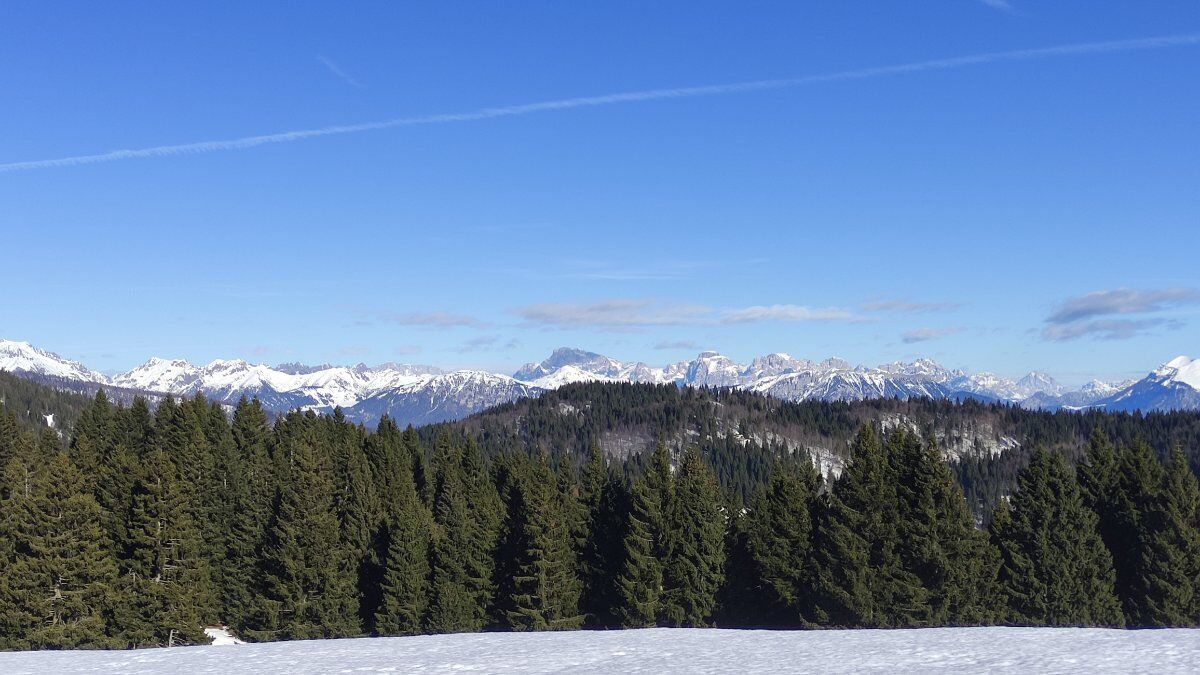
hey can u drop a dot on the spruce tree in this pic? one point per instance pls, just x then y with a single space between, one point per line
404 587
164 585
1055 570
1136 504
252 494
459 578
1172 565
66 572
695 566
859 579
639 588
936 539
545 589
308 580
778 531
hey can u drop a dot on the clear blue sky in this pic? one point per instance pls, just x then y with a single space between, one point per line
962 213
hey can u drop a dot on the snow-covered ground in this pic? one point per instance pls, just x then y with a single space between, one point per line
1012 650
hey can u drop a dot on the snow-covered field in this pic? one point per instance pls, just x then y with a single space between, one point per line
1013 650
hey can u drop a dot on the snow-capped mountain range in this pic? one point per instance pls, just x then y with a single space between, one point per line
423 394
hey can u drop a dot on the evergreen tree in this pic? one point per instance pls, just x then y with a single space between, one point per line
461 566
859 578
1172 567
545 590
64 572
778 534
1054 569
1135 504
251 495
639 587
695 567
936 539
605 499
164 586
17 495
309 587
405 575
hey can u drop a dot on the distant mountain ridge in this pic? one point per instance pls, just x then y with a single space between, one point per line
424 394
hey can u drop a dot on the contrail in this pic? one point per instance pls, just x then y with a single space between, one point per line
611 99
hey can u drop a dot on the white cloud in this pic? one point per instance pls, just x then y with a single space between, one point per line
926 334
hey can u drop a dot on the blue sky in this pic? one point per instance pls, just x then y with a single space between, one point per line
1005 214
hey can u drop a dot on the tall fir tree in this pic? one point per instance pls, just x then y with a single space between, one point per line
1135 503
778 541
404 587
639 588
1054 570
165 586
1172 565
544 587
309 582
936 540
460 577
66 572
695 565
859 578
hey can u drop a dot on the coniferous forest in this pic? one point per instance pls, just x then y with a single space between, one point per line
145 525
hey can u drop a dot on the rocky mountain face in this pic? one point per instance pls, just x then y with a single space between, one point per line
422 394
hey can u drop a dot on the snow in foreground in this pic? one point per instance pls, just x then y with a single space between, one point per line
1017 650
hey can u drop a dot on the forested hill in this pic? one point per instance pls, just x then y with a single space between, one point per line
30 403
742 433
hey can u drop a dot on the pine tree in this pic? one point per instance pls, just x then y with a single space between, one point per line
164 580
605 499
936 539
308 572
251 494
639 586
1135 505
1055 570
1172 566
778 531
859 578
462 545
545 589
66 572
404 588
17 495
695 566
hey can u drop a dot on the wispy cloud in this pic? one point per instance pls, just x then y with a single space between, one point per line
1002 5
1082 315
333 68
438 319
613 99
617 313
676 344
487 343
903 306
1107 329
406 350
927 334
631 313
1122 301
762 313
354 351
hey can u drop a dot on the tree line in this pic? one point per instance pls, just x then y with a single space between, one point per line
151 524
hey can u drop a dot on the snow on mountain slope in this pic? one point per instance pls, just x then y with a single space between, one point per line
24 359
439 398
666 650
422 393
157 374
1175 385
